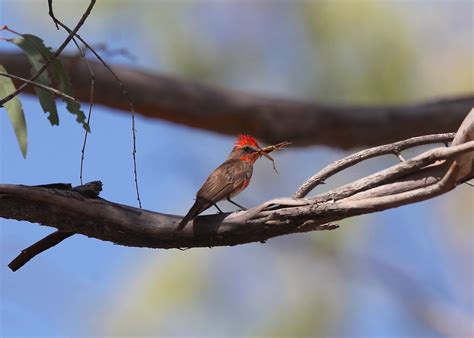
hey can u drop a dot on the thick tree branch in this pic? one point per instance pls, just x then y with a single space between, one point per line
76 211
270 119
72 211
80 210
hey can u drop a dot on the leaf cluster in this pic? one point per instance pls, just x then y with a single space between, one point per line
38 54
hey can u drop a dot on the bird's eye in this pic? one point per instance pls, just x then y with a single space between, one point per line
247 148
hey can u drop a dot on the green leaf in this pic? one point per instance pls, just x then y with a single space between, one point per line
14 110
37 53
60 76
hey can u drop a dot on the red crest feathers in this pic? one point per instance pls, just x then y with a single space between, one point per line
246 140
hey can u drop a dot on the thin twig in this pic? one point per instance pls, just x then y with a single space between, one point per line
91 103
51 13
53 57
123 52
399 156
124 92
360 156
36 84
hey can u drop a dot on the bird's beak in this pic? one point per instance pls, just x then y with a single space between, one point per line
262 152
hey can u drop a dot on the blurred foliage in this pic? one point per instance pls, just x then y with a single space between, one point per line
151 297
365 53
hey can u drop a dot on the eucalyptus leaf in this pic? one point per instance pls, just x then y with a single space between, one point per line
36 53
14 111
61 77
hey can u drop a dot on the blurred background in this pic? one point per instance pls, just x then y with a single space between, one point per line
405 272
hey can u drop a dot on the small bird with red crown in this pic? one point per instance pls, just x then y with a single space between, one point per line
227 180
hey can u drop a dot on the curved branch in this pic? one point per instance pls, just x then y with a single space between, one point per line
270 119
78 210
349 161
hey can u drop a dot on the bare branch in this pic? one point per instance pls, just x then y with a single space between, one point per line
72 211
37 248
447 183
80 210
395 172
394 148
270 119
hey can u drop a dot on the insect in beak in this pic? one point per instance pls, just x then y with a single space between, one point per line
264 151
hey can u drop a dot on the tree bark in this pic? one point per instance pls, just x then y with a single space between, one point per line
272 120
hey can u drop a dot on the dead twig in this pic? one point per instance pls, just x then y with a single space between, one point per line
33 250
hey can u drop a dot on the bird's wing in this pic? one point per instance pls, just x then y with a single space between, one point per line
228 178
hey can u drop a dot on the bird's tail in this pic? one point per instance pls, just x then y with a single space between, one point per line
198 207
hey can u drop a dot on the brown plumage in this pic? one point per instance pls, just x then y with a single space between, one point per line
227 180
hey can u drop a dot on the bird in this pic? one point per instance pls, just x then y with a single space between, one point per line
227 180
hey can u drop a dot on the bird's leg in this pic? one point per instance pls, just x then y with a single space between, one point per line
214 204
220 211
238 205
